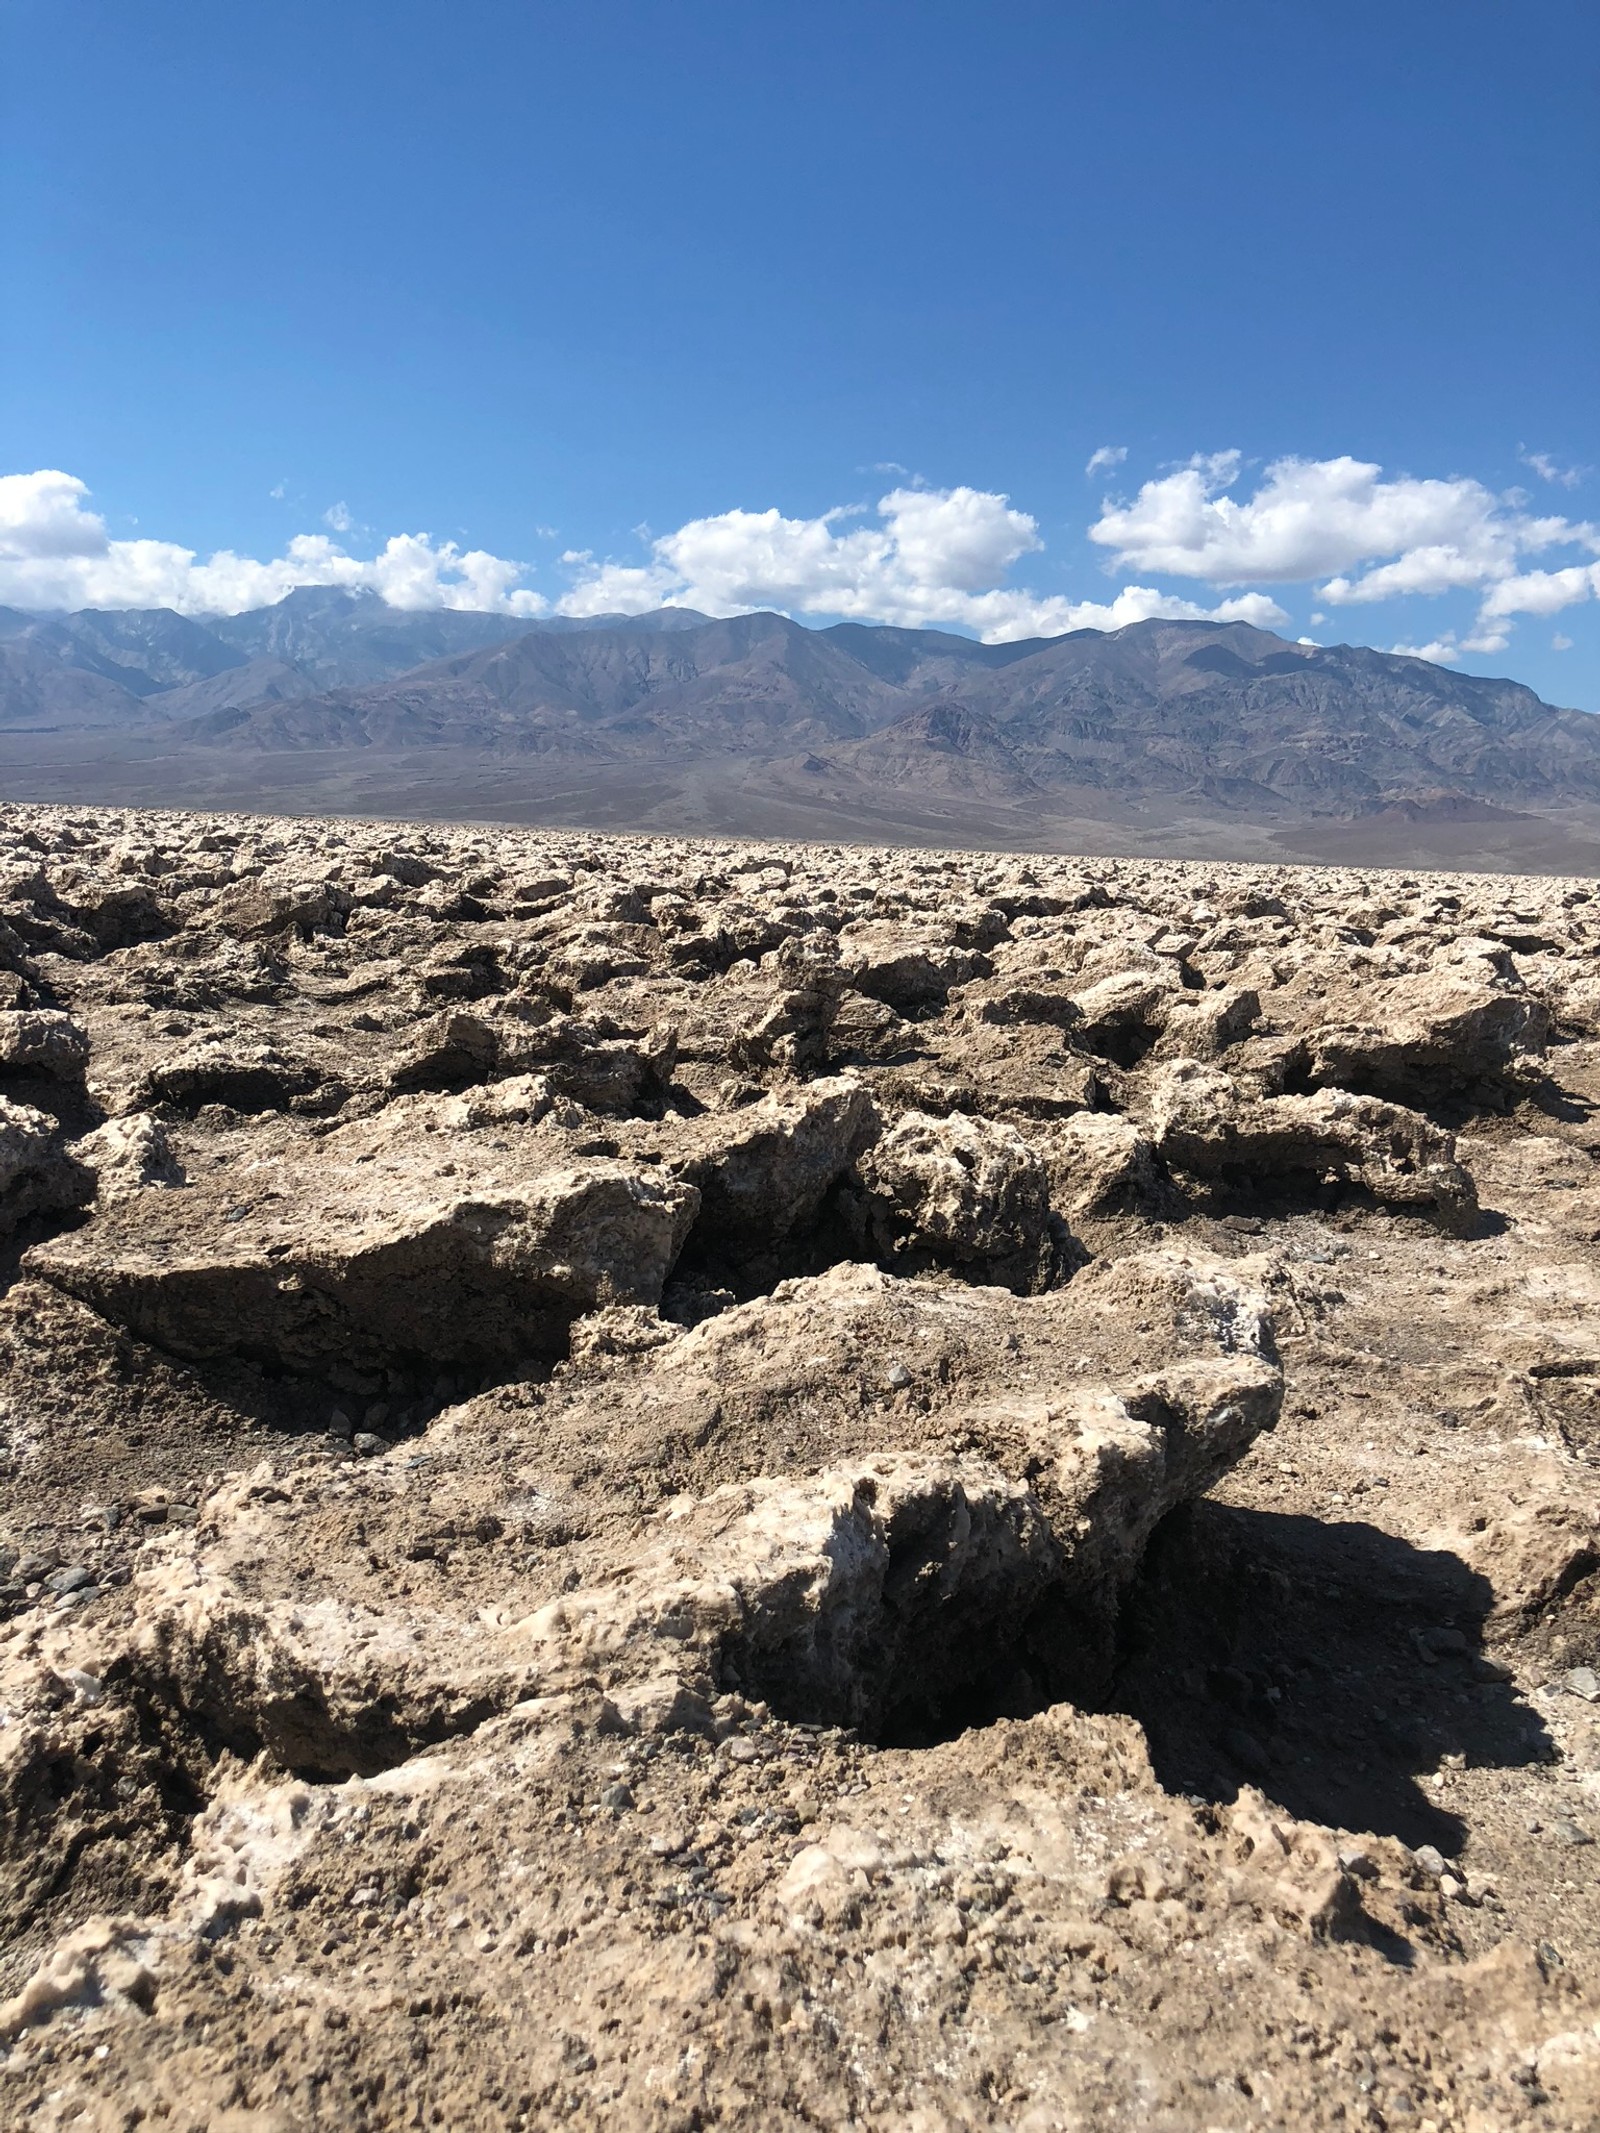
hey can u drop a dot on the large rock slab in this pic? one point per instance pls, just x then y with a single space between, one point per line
385 1242
1421 1040
1201 1124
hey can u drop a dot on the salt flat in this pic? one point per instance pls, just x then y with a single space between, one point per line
664 1482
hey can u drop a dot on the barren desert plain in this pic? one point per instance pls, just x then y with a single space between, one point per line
662 1483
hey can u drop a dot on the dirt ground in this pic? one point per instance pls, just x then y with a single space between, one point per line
667 1484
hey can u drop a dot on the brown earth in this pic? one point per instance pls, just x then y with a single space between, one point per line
680 1484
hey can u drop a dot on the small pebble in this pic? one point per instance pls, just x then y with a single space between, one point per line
366 1445
1571 1833
73 1579
1585 1682
1430 1859
617 1797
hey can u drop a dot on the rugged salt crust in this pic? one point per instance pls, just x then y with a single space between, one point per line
675 1484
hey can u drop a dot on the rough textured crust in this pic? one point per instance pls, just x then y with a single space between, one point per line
658 1484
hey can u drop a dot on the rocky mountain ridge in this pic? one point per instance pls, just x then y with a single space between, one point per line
754 717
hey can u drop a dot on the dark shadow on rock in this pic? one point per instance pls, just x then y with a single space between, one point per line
1331 1665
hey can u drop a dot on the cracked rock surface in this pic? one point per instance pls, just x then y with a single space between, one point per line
672 1484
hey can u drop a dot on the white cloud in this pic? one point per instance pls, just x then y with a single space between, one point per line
56 553
919 557
1443 651
278 491
1541 592
1547 470
935 556
42 517
1559 643
1309 518
1102 460
1380 540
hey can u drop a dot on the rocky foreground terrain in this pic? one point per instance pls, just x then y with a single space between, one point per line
679 1485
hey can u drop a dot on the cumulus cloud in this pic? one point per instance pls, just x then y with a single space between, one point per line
1339 520
1541 592
1105 458
56 553
934 556
1443 651
920 557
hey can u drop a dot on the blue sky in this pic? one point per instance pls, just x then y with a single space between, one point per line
682 294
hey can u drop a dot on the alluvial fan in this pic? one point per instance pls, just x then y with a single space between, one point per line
673 1484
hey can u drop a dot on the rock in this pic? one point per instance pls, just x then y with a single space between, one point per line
75 1578
865 1029
45 1042
37 1174
589 1063
1122 1017
378 1244
446 1052
1201 1025
128 1155
1423 1039
768 1674
764 1171
449 1051
962 1192
1099 1165
119 914
1009 1002
1584 1682
1200 1124
910 972
791 1033
877 1595
1537 1556
220 1070
270 905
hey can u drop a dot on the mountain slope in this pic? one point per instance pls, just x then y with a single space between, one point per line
327 638
1223 710
675 720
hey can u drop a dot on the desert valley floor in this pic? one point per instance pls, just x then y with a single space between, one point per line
672 1484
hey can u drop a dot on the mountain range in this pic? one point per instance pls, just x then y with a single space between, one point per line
1228 737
